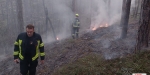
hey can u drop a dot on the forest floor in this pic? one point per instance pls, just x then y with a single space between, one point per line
93 53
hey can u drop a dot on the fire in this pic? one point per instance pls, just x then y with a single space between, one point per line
106 25
101 26
94 28
57 38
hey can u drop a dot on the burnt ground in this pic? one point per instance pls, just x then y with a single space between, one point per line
104 41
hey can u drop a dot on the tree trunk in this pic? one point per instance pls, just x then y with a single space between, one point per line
125 17
2 12
20 14
73 6
137 9
143 32
48 20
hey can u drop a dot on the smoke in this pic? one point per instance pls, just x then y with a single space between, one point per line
92 13
61 16
110 12
105 11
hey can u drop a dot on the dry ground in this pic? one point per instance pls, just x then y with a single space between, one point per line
103 41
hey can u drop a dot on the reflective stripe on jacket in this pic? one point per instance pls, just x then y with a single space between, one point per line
76 23
19 47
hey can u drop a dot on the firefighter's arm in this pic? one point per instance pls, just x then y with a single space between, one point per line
16 48
79 24
41 47
73 25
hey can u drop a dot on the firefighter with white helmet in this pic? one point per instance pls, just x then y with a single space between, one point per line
76 26
77 15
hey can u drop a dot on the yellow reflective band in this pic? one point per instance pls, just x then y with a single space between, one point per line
77 32
20 56
16 53
36 56
16 43
78 22
37 51
20 42
42 44
75 26
42 54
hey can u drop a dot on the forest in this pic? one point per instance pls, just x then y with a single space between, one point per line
113 35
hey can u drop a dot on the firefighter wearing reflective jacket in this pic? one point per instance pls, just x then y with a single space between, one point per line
27 48
76 26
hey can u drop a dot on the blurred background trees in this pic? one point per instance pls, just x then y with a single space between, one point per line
16 14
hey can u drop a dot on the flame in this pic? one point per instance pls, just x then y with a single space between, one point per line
57 38
101 26
106 25
94 28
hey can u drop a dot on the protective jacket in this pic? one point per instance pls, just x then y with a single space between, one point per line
21 47
76 23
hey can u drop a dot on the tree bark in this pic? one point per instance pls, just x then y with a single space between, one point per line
2 11
125 17
20 15
143 31
73 6
48 20
137 10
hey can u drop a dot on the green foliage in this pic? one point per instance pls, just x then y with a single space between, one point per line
96 65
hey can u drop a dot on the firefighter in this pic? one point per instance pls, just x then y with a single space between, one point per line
76 26
27 48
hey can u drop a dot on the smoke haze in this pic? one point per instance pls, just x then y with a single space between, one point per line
92 13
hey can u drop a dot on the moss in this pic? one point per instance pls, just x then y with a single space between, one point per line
96 65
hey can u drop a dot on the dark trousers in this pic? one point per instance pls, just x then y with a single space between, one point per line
28 67
75 32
